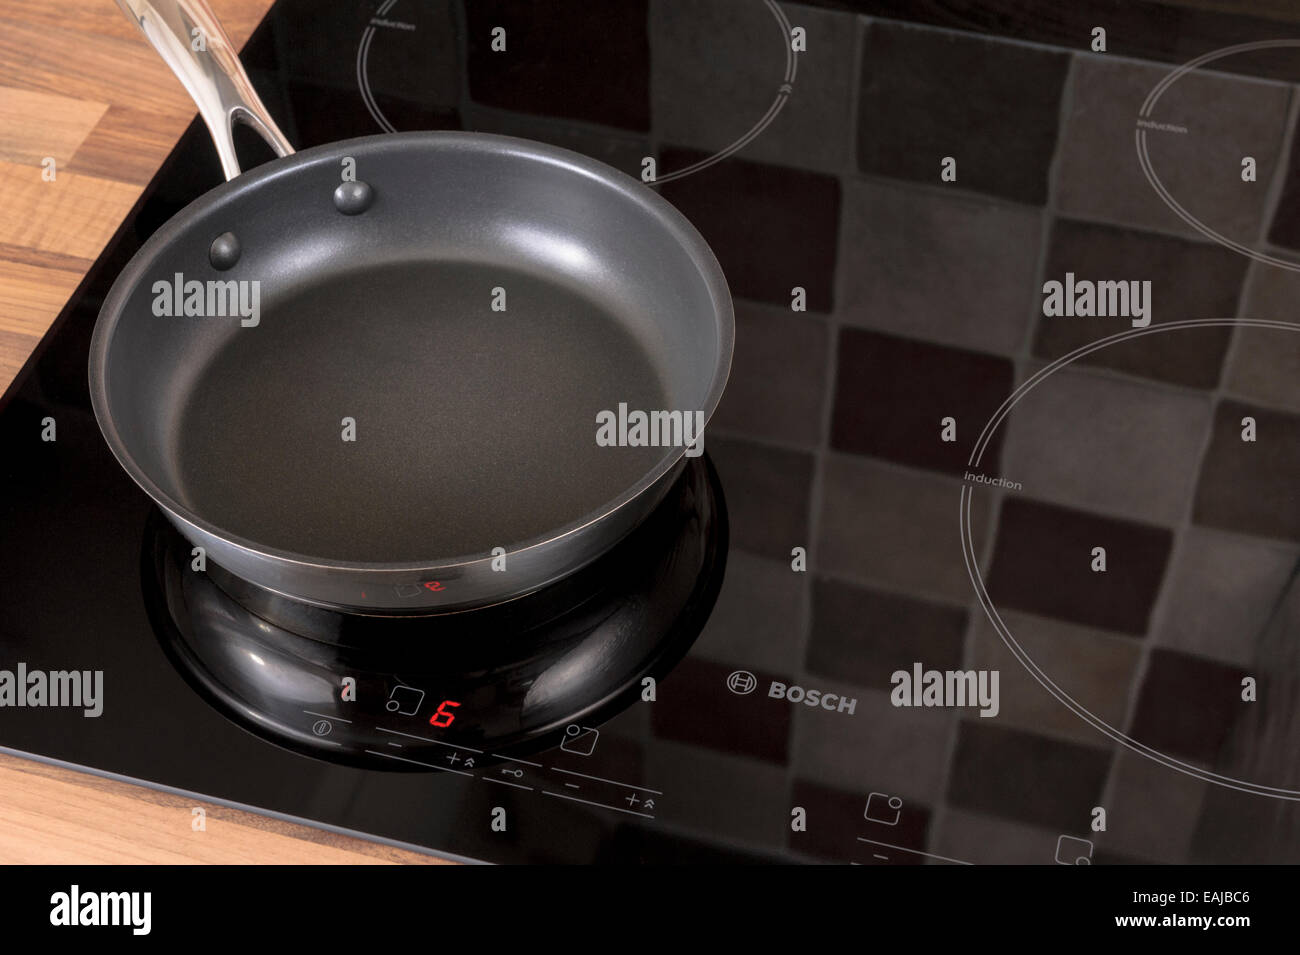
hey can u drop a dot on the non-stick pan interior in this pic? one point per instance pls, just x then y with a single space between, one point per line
474 429
423 379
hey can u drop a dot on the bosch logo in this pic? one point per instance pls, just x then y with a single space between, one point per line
742 682
827 701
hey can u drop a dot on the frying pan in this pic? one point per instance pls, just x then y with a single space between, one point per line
400 412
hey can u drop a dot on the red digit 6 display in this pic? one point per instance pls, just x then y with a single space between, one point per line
444 716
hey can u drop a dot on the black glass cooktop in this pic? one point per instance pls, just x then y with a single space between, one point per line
980 568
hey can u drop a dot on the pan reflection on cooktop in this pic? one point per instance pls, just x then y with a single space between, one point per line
411 692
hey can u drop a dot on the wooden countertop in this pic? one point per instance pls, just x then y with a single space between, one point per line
79 85
50 815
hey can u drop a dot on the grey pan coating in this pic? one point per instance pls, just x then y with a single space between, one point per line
475 428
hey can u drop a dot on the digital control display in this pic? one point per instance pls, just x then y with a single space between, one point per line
444 716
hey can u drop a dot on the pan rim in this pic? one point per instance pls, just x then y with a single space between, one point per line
671 220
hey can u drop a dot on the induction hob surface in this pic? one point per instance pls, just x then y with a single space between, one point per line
1010 570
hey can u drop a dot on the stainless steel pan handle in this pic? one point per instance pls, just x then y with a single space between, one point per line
190 39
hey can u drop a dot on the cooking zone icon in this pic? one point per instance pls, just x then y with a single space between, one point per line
883 808
404 700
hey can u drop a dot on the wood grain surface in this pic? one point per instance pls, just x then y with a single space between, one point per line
50 815
80 86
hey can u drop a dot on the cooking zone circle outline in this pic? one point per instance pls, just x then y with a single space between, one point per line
1149 171
782 93
991 611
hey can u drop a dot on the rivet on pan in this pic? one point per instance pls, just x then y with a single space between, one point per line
352 198
224 251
